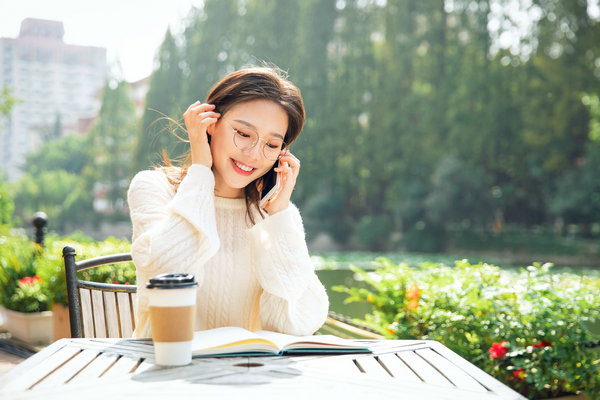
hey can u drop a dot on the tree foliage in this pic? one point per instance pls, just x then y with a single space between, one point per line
420 114
424 118
111 141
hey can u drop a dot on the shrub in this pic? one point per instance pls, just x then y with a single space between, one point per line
29 296
21 288
52 265
20 258
529 329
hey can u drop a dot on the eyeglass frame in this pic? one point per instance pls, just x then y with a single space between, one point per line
234 131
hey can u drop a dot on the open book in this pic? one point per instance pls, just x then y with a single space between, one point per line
235 341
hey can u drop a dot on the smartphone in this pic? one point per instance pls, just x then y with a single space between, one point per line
271 184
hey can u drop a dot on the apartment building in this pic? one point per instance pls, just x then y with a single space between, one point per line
59 85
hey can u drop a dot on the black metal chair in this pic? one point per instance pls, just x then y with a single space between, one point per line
98 309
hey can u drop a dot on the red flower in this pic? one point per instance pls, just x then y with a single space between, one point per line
541 344
519 374
30 280
498 350
127 283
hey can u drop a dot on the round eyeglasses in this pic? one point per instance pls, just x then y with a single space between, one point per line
245 138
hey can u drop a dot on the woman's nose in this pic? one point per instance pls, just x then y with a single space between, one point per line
254 152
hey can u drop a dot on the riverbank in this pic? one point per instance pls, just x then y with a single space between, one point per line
364 259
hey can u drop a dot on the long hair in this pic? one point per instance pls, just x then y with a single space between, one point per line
247 84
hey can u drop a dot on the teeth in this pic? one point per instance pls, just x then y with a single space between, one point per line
243 167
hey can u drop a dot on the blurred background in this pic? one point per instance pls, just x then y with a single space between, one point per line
434 126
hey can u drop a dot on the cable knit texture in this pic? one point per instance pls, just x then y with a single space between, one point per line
255 277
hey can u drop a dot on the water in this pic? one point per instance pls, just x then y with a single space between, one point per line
331 278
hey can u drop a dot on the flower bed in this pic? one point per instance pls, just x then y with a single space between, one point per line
32 278
529 329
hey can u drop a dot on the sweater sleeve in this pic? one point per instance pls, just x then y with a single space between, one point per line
173 232
293 301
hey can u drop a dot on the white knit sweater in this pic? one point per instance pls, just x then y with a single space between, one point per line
258 277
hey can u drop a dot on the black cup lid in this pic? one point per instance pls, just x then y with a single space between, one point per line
172 281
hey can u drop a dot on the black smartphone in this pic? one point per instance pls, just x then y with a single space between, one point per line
270 185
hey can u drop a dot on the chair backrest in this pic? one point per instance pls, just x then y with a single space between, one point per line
98 309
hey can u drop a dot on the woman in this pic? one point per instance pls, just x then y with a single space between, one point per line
251 263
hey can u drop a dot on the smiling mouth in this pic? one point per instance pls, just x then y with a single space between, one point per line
243 168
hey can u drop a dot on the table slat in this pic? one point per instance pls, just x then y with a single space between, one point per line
40 371
397 367
458 377
68 370
372 367
422 368
123 367
96 368
144 366
335 365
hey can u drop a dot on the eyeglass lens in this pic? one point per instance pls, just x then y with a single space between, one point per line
246 139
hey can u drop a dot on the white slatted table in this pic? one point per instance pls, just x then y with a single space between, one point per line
124 368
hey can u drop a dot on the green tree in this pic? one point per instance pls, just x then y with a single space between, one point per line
111 141
396 90
163 100
63 196
209 50
458 196
315 31
70 154
577 198
555 121
7 205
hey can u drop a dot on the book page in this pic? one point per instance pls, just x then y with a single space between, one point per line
281 340
228 340
284 341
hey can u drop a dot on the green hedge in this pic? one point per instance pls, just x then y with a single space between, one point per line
529 329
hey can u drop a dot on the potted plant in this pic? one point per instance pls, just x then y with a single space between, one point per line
23 291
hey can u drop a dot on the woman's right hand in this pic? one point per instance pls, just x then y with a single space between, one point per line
198 117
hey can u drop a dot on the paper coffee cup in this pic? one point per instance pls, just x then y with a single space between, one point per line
172 299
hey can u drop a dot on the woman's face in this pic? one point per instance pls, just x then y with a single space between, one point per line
233 168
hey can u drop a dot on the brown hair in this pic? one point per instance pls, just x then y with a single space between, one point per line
247 84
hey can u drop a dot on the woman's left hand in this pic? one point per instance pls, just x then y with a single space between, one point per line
288 170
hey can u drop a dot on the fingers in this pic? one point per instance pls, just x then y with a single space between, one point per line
199 116
288 163
288 168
